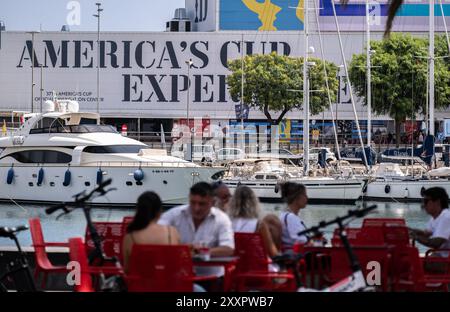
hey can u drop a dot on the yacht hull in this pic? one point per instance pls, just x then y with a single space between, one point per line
171 183
319 191
398 190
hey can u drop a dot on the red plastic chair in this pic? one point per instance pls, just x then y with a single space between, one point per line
409 274
111 234
43 264
331 264
382 221
352 236
252 270
162 268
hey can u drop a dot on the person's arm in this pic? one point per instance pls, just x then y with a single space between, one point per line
126 247
418 232
175 236
263 230
225 246
431 242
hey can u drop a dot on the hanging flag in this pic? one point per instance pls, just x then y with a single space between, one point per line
4 130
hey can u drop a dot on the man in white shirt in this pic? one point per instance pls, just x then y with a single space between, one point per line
437 233
200 224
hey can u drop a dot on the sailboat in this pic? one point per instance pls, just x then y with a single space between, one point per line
400 187
336 190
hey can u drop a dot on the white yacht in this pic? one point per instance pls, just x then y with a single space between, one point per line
61 152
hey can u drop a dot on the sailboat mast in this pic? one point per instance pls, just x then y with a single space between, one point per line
369 78
431 70
306 92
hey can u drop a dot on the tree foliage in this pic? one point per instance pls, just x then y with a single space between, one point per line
399 77
269 81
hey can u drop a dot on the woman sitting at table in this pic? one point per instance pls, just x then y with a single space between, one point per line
294 194
145 230
245 213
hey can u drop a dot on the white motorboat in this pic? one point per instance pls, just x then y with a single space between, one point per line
265 177
391 183
61 152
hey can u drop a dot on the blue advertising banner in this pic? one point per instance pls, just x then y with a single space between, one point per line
263 15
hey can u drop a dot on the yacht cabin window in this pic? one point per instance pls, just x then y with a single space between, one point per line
114 149
41 157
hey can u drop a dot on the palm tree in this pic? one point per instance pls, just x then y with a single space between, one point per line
394 5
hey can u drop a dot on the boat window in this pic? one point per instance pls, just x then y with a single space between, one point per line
271 177
41 157
114 149
57 127
88 121
259 177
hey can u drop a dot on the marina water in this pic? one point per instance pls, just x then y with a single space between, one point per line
74 224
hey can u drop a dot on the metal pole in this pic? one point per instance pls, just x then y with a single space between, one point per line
306 93
189 64
41 89
355 114
32 72
98 54
369 79
242 93
431 73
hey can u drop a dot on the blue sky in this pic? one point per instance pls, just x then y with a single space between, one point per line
118 15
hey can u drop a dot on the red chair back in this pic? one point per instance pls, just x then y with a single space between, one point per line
397 235
160 268
77 253
339 265
352 236
368 222
37 238
112 234
252 254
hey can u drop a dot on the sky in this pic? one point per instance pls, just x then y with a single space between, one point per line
117 15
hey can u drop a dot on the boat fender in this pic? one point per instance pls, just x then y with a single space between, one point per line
422 191
40 177
387 189
277 188
10 176
99 176
139 175
67 177
406 193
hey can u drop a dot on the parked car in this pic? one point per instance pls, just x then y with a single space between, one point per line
225 155
287 156
200 153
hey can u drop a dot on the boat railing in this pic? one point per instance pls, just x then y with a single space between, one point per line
110 164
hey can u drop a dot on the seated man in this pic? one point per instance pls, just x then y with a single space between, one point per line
437 233
200 224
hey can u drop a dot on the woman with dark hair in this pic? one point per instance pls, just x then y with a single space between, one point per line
294 194
144 229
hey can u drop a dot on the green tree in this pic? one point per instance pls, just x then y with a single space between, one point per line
399 78
270 81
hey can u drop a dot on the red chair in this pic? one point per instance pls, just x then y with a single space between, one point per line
352 236
331 264
111 234
162 268
43 264
252 268
382 221
409 274
77 253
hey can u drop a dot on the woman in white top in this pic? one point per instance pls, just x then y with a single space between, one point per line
244 211
294 194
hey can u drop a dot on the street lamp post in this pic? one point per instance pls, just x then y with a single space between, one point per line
32 68
99 10
189 65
